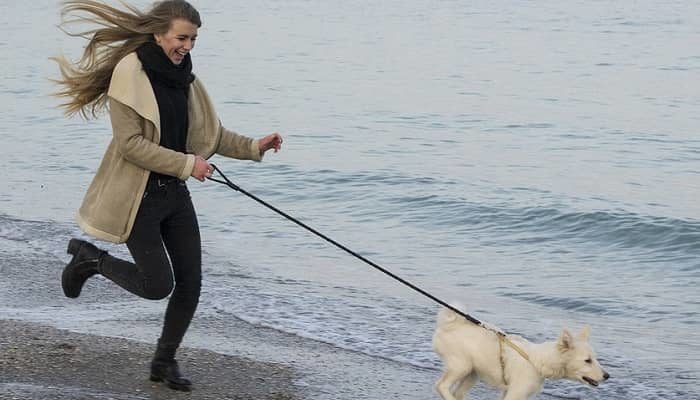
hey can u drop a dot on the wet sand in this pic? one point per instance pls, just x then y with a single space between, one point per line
40 362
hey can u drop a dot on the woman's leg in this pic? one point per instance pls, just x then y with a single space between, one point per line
180 233
150 275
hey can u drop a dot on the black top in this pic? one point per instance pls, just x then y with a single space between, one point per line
170 84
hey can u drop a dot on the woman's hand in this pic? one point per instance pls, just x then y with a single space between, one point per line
202 169
272 141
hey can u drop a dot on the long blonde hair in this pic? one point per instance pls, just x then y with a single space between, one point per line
118 33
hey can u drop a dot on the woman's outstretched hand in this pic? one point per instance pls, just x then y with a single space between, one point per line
272 141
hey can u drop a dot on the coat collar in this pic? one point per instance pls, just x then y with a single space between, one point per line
130 86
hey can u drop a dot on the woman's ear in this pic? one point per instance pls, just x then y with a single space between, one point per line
157 37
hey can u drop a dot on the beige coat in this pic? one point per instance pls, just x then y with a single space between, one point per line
114 196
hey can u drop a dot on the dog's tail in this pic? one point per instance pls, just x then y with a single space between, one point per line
447 317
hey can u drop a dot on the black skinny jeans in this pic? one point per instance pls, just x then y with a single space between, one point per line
166 221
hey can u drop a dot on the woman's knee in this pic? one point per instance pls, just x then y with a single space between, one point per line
158 290
189 289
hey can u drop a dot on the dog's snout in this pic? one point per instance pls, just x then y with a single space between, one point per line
606 376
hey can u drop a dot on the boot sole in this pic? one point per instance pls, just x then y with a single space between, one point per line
65 281
73 246
171 385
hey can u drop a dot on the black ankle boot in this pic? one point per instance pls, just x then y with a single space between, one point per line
85 263
169 372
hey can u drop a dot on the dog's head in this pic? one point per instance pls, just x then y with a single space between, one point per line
580 359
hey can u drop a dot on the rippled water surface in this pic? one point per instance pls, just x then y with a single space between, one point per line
538 162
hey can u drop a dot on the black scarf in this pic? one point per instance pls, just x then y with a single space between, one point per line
158 66
170 85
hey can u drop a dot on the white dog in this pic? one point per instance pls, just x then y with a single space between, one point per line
471 353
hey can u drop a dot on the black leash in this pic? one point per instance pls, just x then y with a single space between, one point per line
235 187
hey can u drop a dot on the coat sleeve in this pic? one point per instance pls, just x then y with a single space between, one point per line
232 144
128 131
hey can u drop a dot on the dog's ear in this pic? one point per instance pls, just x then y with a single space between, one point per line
585 333
566 341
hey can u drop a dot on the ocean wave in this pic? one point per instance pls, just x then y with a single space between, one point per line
430 203
596 306
673 237
518 215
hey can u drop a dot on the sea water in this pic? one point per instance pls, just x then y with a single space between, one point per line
538 162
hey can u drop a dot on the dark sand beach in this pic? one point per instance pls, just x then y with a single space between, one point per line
40 362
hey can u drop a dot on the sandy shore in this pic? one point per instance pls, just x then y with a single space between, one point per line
40 362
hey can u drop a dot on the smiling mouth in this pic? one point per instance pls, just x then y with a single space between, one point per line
178 58
590 381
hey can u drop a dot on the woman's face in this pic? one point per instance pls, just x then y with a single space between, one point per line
178 40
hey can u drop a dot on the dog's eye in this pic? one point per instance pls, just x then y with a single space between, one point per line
589 360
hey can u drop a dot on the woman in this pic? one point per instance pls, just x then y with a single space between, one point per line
164 127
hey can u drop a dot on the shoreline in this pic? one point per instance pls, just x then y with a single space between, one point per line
53 347
38 361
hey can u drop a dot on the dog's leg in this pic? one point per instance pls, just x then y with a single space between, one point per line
464 385
449 379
